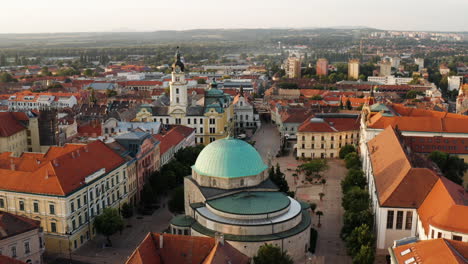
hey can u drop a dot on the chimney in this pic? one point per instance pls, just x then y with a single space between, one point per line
161 241
12 165
47 174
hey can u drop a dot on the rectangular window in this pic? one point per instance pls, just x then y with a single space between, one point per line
36 207
53 227
79 202
40 242
201 132
409 220
85 199
26 248
73 224
13 252
21 205
399 220
72 206
201 121
458 238
80 222
432 233
188 121
212 121
2 203
390 219
439 234
51 209
212 130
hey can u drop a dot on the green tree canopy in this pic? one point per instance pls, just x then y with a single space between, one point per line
201 81
108 223
352 160
6 77
354 177
360 236
352 219
270 254
176 202
314 167
365 255
278 178
451 166
346 149
356 199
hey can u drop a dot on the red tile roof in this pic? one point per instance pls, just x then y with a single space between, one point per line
178 249
445 207
10 125
330 125
59 171
397 181
8 260
434 251
12 225
173 137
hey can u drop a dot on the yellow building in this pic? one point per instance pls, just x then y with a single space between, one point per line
19 132
64 189
293 67
353 69
323 135
209 115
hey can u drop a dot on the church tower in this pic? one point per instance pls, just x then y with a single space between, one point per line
178 88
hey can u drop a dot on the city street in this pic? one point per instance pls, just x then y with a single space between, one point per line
330 248
123 244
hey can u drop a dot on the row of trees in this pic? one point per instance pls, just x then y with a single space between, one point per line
358 218
451 166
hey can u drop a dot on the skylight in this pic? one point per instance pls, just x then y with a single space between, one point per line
405 252
411 260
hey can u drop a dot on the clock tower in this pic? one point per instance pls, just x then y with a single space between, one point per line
178 88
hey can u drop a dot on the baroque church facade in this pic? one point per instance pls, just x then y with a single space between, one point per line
209 114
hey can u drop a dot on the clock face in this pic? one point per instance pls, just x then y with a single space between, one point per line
177 69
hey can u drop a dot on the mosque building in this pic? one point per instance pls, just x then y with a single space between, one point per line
230 195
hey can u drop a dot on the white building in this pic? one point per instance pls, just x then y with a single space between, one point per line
420 63
454 82
35 101
389 80
244 113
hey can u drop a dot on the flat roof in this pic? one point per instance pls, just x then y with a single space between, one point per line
251 203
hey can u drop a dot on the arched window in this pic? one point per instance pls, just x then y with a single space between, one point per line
177 90
177 100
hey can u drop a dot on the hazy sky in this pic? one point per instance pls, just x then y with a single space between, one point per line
32 16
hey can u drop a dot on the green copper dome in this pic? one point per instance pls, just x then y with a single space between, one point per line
229 158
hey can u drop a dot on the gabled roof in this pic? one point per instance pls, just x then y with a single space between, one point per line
330 124
173 137
433 251
398 182
60 171
10 125
8 260
178 249
445 207
12 225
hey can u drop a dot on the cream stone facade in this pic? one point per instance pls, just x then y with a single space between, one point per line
67 219
324 135
16 143
26 246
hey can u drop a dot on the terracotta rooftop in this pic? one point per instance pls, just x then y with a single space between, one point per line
445 207
413 119
433 251
399 181
8 260
178 249
12 225
59 171
10 124
173 137
332 124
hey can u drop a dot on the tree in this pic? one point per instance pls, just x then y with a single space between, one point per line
108 223
451 166
201 81
314 167
346 149
319 214
356 199
6 77
365 255
147 195
351 220
88 72
412 94
278 178
270 254
352 160
361 236
313 206
176 202
354 177
127 210
317 97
